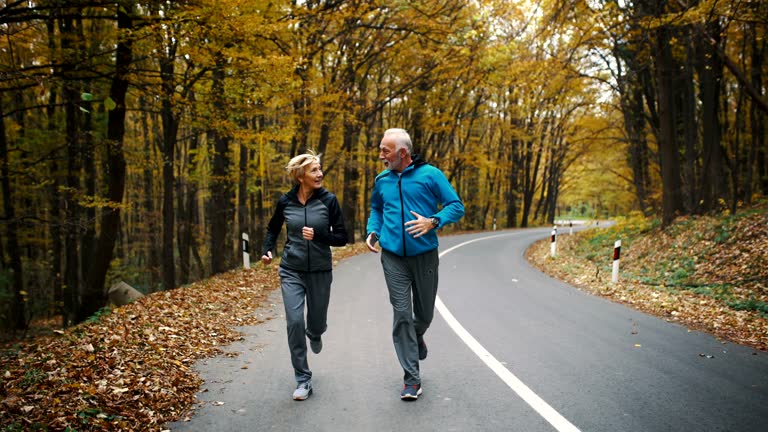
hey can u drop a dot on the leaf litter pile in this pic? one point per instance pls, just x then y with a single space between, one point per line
706 273
130 368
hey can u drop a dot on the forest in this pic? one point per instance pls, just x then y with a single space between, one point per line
139 139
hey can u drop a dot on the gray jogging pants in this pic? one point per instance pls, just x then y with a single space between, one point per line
316 288
410 277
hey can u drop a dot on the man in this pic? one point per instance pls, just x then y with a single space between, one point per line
404 217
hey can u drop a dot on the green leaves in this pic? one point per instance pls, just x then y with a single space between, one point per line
109 104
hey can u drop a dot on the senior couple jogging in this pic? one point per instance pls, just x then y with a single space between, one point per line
410 201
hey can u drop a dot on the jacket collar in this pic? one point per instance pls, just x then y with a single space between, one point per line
416 162
293 194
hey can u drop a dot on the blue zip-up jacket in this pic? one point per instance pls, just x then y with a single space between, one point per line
321 212
421 188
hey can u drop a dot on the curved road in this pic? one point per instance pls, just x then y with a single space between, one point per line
511 349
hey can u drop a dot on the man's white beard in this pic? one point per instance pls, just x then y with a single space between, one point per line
395 166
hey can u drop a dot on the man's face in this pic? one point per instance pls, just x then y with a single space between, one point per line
393 159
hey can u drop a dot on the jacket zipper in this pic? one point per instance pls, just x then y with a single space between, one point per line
306 241
402 210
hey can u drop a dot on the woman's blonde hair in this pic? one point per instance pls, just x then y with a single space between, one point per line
298 164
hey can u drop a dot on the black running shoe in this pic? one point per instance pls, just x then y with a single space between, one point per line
316 345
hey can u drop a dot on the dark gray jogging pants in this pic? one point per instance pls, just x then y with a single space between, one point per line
316 288
410 277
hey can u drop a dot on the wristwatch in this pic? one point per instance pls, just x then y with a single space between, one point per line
435 222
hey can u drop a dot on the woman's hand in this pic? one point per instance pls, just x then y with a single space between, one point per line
267 259
308 233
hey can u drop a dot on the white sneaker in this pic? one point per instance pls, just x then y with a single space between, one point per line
303 390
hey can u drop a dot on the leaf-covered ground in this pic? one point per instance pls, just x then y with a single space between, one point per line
706 273
130 368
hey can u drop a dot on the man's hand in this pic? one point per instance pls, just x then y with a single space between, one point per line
371 242
267 259
419 226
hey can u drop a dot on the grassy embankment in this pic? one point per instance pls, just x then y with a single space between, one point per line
707 273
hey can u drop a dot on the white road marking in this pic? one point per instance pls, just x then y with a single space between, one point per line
543 408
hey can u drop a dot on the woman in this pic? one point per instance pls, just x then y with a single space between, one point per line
314 223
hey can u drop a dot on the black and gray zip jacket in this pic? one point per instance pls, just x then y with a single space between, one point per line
321 212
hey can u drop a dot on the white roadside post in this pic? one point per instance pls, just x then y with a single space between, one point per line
494 224
246 255
616 255
553 242
571 228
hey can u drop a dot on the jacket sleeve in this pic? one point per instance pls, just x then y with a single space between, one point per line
453 207
376 218
337 234
274 226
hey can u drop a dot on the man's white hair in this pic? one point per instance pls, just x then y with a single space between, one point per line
402 139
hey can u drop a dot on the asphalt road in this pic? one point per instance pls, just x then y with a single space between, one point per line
511 350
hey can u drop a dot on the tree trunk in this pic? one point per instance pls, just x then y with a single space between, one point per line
170 130
325 133
631 97
242 192
735 142
150 211
221 200
18 309
88 238
757 123
419 106
689 126
72 212
260 216
94 296
187 206
672 198
302 110
351 177
54 194
639 158
710 73
514 178
182 225
542 203
556 174
530 173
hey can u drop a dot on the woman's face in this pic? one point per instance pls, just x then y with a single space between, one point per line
313 177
